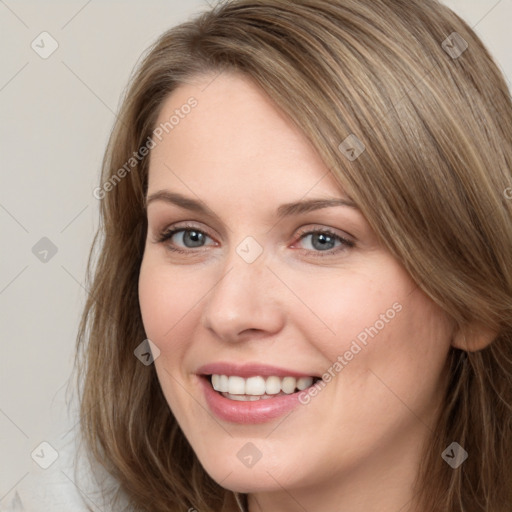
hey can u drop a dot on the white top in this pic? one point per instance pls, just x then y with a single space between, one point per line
64 486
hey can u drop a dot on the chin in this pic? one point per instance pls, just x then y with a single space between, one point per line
244 481
227 467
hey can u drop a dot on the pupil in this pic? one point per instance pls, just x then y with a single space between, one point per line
194 238
322 241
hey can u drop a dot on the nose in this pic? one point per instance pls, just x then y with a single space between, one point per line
244 303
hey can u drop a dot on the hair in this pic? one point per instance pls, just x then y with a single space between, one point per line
431 182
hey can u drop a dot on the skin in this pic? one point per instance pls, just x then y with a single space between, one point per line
357 444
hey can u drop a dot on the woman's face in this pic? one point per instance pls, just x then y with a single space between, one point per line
265 286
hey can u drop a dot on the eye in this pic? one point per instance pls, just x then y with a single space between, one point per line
324 241
183 238
318 242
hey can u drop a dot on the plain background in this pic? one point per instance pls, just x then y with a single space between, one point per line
56 115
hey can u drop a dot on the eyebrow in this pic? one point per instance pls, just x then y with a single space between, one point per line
285 210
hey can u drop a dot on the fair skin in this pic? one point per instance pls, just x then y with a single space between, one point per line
357 444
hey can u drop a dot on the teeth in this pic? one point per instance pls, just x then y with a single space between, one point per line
273 385
304 383
254 388
236 386
224 382
288 384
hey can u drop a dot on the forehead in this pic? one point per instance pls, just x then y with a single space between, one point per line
234 137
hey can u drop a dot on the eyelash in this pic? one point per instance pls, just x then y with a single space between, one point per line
167 234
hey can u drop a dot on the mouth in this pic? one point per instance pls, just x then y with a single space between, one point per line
252 393
258 387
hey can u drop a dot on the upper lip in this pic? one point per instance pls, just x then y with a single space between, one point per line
251 369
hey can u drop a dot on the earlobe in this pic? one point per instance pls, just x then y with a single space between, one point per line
474 337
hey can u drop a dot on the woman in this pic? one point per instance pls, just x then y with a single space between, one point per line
302 298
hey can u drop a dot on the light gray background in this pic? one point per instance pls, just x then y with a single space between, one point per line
56 114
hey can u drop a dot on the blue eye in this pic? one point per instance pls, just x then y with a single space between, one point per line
325 241
184 239
190 238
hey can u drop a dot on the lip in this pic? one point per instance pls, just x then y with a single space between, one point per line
249 370
259 411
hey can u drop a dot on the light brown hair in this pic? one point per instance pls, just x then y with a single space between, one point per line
437 130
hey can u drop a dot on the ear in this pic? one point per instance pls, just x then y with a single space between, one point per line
473 337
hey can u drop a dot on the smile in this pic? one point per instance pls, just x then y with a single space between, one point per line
252 393
258 388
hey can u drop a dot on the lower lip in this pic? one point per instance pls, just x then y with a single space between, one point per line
258 411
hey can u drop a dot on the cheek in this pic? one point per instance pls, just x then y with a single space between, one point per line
166 298
356 306
155 297
402 357
167 301
376 325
